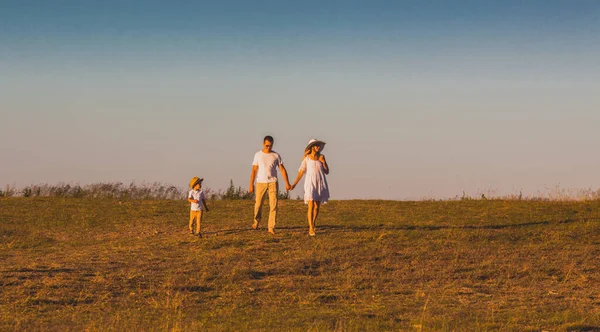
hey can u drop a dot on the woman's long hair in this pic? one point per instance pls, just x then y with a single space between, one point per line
309 151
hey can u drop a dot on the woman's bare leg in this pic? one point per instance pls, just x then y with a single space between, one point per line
316 207
310 217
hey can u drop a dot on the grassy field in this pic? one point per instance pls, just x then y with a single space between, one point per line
485 265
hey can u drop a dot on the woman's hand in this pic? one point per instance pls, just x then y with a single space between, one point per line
324 162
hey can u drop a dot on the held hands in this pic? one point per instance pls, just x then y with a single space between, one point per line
288 187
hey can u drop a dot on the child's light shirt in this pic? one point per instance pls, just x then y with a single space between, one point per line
199 196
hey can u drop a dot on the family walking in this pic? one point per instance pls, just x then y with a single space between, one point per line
264 172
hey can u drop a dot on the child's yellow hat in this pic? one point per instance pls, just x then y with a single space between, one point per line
195 180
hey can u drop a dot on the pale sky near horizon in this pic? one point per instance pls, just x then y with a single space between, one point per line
415 99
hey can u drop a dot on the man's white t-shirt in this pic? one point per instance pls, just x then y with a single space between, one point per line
267 166
197 195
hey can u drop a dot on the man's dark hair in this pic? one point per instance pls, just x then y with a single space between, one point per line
268 138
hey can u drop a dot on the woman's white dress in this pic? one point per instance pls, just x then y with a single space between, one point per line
315 183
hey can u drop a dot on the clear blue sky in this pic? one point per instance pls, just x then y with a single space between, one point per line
415 99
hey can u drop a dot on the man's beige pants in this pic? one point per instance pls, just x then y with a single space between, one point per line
261 190
197 215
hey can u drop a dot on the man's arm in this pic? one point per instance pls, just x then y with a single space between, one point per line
204 203
285 177
252 178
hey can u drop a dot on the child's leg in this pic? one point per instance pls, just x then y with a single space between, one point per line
192 216
198 221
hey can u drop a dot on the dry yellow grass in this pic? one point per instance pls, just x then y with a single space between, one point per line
76 264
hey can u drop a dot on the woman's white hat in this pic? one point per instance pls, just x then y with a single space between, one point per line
314 142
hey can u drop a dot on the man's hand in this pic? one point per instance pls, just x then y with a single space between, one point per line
288 187
251 189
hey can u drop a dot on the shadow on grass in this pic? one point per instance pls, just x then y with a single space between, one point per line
62 302
582 328
356 228
194 289
41 270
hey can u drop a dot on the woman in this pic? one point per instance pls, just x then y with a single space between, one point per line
316 190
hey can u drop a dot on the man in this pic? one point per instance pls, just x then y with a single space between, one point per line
264 171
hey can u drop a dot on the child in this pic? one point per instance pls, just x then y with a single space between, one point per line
196 196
